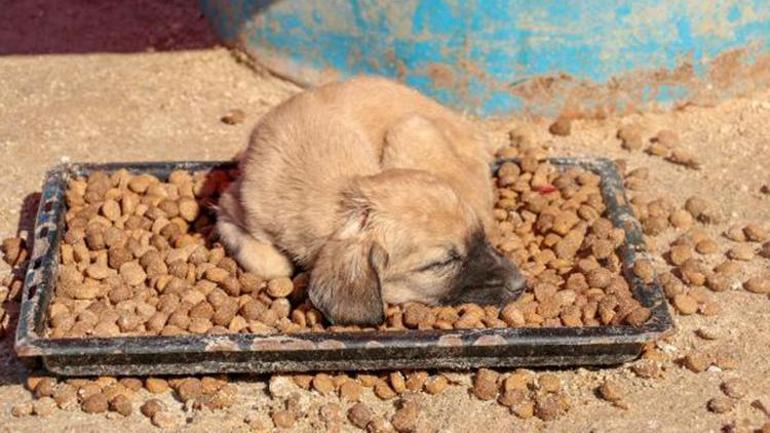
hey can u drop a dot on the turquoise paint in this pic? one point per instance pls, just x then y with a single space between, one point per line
508 42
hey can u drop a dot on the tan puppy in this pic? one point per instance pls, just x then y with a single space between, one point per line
383 194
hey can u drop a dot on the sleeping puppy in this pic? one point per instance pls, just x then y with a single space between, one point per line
382 193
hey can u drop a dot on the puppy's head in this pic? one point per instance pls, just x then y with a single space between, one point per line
407 236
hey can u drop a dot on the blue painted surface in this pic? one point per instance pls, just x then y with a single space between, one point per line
479 54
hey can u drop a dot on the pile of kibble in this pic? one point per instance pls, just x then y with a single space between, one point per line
140 257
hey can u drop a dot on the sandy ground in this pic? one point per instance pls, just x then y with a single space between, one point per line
88 105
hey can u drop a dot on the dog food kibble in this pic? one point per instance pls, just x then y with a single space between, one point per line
350 391
405 418
156 385
735 388
743 252
121 404
696 362
436 384
323 383
140 257
280 287
679 254
485 384
758 285
14 250
755 233
764 251
549 383
189 389
360 415
383 390
45 387
631 137
610 392
561 127
233 117
720 405
549 407
44 406
96 403
151 407
284 419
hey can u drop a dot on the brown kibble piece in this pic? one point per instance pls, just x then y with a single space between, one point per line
96 403
151 407
638 317
188 209
45 387
44 406
284 419
360 415
350 391
706 246
696 362
436 384
485 384
759 285
561 127
610 391
512 316
631 137
132 273
383 390
189 389
549 407
524 410
685 304
696 206
667 137
646 369
12 249
416 380
121 404
744 252
233 117
755 233
644 270
405 418
679 254
511 397
280 287
735 388
681 219
156 385
397 382
549 383
720 405
323 383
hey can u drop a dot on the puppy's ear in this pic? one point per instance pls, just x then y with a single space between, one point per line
345 281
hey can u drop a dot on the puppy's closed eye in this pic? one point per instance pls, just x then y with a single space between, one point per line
453 257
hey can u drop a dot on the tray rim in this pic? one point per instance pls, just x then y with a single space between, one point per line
43 264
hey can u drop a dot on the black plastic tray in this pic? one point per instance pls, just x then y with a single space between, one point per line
193 354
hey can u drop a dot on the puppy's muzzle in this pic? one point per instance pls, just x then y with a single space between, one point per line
487 277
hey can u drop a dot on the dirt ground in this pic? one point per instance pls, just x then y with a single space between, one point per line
113 102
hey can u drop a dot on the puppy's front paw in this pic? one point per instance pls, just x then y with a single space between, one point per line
263 259
259 257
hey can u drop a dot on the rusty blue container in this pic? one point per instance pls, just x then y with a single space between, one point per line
492 57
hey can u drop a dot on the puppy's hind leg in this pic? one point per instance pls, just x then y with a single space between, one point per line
259 257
